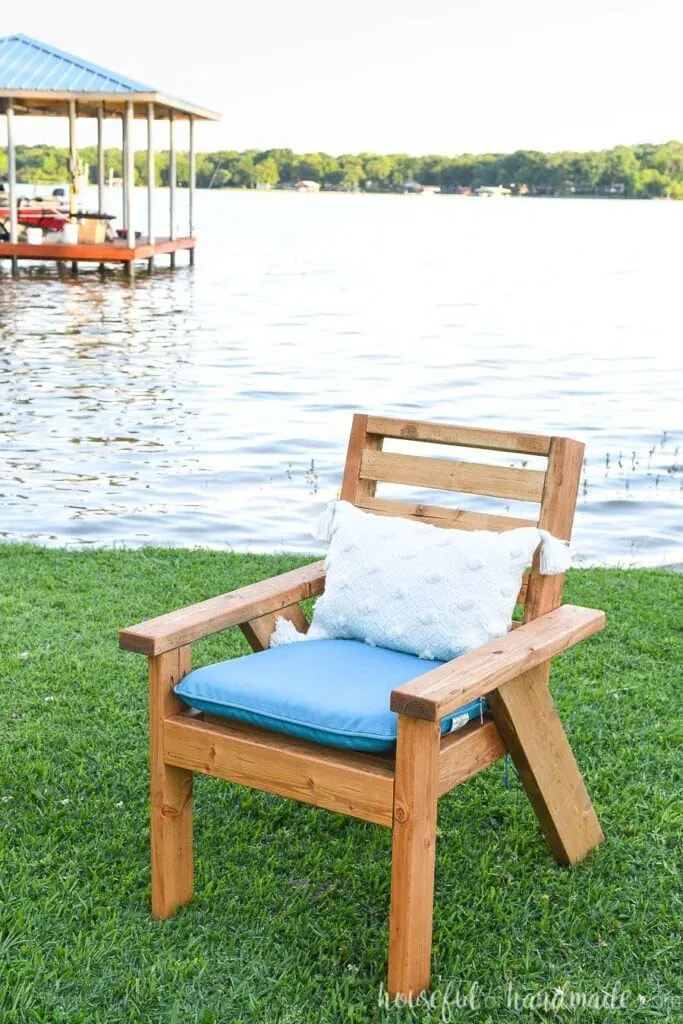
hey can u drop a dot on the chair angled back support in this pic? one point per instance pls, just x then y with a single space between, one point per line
549 491
399 792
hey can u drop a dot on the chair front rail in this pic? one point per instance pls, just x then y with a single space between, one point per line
440 692
359 785
178 628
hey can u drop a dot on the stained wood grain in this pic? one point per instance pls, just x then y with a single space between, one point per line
346 781
525 714
170 792
259 631
557 515
467 752
413 855
439 515
466 437
436 694
449 475
354 489
167 632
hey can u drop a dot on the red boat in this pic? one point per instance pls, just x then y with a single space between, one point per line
44 217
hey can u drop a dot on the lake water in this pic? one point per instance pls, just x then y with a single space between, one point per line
212 406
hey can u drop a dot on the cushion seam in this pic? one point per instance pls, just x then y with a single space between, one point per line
293 721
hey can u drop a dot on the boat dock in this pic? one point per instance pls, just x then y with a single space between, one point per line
117 251
37 80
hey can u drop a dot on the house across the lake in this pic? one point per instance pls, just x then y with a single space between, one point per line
492 191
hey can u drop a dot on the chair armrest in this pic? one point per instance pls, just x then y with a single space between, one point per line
440 692
167 632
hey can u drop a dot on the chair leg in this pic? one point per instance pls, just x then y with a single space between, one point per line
525 714
413 856
171 793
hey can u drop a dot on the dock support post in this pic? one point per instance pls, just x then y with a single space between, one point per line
129 181
150 180
172 176
192 183
74 169
73 161
124 164
100 158
129 174
100 164
12 181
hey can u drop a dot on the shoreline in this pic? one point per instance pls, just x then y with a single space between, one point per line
118 547
181 187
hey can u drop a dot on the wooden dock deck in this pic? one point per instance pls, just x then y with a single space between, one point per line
107 252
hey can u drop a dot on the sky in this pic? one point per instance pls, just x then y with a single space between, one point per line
441 76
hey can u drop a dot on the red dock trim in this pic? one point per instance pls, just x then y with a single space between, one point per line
108 252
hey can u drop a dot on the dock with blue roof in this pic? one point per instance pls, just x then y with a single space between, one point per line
38 80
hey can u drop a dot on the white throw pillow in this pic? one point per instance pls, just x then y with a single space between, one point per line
417 588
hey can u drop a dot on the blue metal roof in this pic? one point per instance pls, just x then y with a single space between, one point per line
28 64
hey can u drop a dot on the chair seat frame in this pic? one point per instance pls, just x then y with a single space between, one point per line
400 791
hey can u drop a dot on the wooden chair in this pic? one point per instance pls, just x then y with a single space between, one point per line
400 792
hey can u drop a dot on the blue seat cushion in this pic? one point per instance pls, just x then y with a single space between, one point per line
334 692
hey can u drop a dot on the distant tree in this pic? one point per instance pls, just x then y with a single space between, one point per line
113 160
314 167
243 171
652 184
284 162
221 178
458 173
266 172
668 159
183 169
402 170
585 171
621 169
350 173
428 169
377 169
140 167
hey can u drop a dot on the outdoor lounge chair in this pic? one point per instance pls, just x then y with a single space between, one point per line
399 790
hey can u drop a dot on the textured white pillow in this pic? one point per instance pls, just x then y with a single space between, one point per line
418 588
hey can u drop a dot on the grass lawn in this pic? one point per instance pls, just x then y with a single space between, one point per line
289 919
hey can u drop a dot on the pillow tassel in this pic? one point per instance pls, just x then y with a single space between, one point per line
285 633
322 528
555 555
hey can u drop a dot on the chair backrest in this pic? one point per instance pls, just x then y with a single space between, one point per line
551 490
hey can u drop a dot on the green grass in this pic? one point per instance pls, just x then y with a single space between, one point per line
289 919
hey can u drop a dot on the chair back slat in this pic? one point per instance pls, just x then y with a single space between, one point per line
439 515
553 489
452 475
464 437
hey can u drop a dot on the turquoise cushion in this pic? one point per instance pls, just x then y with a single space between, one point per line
334 692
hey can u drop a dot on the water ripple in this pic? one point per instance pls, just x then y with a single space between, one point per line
212 407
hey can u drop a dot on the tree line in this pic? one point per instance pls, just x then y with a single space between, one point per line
645 171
